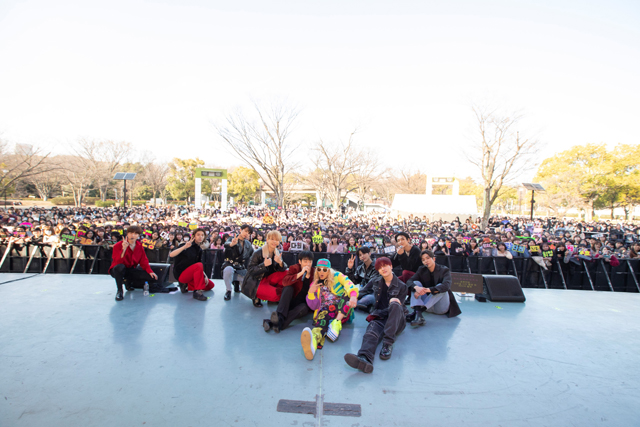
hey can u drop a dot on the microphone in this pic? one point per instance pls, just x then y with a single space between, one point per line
304 275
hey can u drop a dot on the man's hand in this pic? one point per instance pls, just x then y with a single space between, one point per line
419 291
189 243
400 250
234 241
267 262
353 301
278 259
154 275
395 300
305 268
125 243
351 261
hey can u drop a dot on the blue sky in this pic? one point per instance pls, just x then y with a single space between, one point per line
158 73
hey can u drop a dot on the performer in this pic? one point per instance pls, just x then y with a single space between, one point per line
431 287
385 322
188 267
237 253
407 256
130 262
364 276
333 297
265 272
293 302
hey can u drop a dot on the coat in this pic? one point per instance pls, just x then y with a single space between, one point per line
291 280
257 271
131 258
233 257
342 286
396 289
442 283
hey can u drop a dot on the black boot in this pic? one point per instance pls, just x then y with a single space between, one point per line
199 296
227 296
267 325
419 320
276 322
236 286
184 287
360 363
385 352
119 295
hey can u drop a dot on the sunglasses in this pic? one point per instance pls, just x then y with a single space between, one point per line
322 269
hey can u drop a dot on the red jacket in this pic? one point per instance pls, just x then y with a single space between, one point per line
291 280
131 258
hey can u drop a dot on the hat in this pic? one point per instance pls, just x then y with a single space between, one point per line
323 262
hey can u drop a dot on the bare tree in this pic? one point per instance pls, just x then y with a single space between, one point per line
79 175
338 164
48 183
263 142
23 163
155 175
367 175
499 153
406 181
104 157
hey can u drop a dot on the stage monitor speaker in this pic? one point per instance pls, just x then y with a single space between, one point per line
502 288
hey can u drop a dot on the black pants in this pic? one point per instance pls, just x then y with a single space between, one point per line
135 277
384 330
292 307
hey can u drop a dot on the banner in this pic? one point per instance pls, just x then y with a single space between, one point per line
148 243
67 238
258 243
317 238
296 246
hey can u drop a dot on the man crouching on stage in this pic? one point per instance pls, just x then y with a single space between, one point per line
130 262
385 322
188 267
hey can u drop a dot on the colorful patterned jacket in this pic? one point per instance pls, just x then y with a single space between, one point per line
342 286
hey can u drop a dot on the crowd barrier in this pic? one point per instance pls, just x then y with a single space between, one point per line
585 274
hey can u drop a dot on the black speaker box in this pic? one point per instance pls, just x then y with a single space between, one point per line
502 288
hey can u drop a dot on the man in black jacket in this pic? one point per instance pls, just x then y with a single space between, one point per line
364 276
237 253
431 290
385 322
407 256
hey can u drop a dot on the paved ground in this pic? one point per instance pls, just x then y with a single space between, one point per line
71 356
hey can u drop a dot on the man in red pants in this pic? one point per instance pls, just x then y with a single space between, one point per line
188 267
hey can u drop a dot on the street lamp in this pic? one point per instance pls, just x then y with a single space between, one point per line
533 188
4 171
124 176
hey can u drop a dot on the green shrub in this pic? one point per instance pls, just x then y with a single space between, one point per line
105 204
58 201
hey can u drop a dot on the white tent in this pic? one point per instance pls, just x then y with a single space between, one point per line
435 206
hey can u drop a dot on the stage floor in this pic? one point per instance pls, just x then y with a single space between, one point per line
71 356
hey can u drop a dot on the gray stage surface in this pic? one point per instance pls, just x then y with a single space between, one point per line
71 356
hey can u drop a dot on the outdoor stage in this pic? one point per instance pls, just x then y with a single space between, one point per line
72 356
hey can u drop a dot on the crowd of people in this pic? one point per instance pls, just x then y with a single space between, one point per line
253 241
324 230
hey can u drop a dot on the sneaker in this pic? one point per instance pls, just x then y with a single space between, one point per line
334 330
358 362
309 343
199 296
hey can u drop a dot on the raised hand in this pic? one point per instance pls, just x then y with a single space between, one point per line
189 243
313 288
278 259
400 250
267 262
351 261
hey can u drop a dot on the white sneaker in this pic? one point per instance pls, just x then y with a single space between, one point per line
309 344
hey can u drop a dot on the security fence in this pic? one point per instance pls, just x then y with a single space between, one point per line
579 273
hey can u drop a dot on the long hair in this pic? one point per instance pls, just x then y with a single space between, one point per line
329 281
